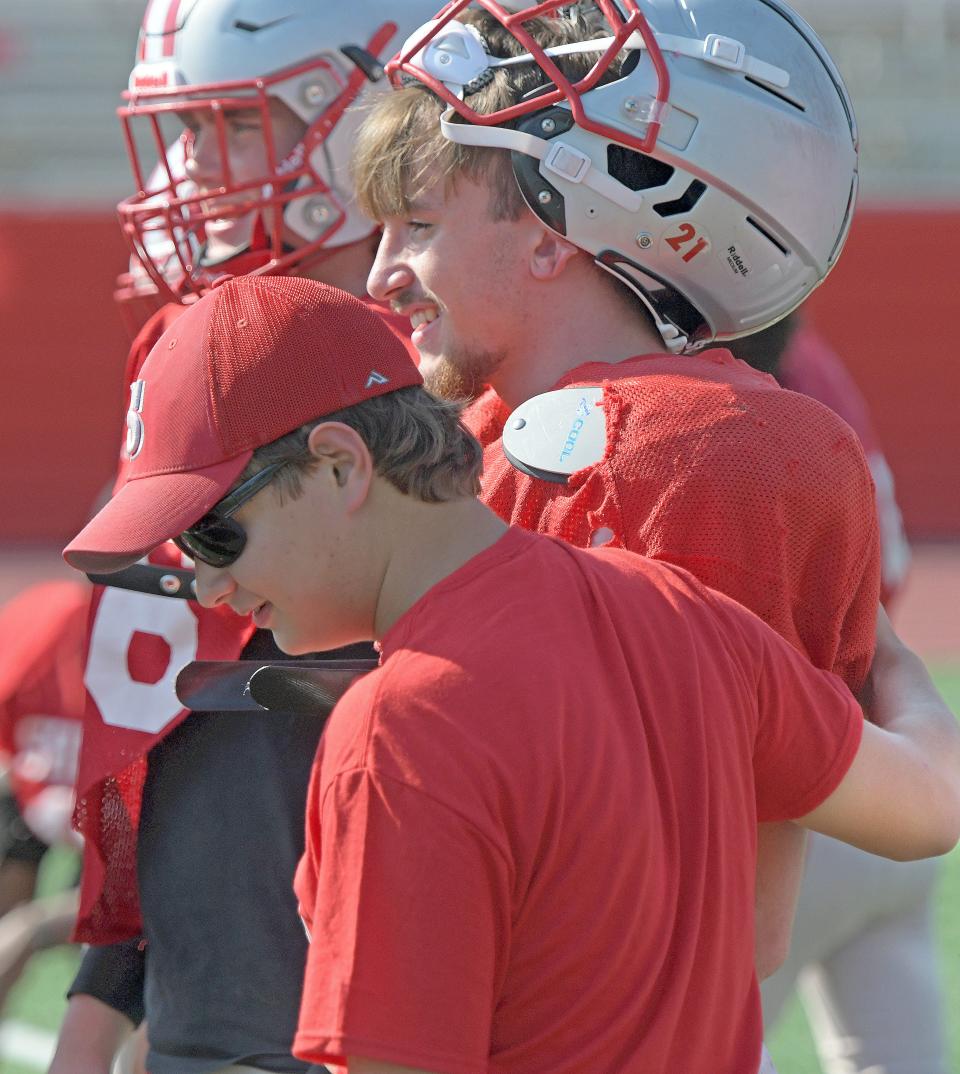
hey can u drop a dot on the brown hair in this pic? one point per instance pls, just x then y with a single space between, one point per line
400 144
417 443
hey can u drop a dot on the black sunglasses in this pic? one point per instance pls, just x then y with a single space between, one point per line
217 539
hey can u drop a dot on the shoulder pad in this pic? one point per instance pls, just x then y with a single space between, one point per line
553 435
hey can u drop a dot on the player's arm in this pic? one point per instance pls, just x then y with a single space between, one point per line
901 796
105 1003
90 1036
780 857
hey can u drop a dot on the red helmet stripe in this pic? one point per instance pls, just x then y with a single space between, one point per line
158 35
144 30
170 27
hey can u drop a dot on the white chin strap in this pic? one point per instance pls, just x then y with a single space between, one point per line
558 157
673 339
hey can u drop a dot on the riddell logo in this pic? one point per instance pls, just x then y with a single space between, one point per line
146 77
736 262
145 81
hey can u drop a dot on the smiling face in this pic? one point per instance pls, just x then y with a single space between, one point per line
462 278
303 573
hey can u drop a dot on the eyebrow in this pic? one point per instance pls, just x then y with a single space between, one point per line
246 112
422 204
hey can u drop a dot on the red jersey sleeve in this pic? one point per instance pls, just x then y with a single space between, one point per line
408 936
809 726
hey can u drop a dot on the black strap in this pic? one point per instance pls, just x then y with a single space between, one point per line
149 578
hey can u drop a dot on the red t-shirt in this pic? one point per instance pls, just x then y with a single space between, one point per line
531 832
761 493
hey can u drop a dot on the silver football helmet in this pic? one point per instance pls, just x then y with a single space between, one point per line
323 61
713 172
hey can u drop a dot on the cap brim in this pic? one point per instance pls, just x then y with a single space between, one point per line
147 511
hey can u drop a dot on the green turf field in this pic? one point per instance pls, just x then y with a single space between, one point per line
38 999
791 1045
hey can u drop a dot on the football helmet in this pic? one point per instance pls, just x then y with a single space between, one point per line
708 159
205 61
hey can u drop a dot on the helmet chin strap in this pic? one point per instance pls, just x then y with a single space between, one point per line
558 157
674 340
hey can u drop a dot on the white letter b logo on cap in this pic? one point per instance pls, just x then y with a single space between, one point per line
134 420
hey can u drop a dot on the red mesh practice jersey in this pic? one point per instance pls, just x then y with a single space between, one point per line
761 493
485 416
531 833
42 642
811 366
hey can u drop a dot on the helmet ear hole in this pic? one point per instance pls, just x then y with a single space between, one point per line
636 171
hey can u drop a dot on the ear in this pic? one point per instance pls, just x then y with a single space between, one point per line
550 255
345 459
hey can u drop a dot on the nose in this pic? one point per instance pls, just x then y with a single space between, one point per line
202 156
389 273
215 585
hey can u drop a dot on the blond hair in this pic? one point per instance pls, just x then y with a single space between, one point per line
417 443
400 149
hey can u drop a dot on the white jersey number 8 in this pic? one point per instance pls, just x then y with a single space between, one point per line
123 702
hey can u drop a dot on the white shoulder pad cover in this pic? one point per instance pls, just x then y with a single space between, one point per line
553 435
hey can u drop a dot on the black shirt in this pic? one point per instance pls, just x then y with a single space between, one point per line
221 832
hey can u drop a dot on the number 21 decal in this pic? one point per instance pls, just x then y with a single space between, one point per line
688 234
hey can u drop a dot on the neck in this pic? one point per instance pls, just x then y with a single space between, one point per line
346 267
587 318
436 540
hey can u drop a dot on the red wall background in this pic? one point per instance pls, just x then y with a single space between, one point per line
888 307
891 308
62 348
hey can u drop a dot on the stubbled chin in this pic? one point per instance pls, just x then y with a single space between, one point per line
446 380
439 378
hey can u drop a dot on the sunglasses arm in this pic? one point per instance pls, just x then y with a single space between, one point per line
149 578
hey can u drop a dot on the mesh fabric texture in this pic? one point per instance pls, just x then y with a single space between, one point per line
761 493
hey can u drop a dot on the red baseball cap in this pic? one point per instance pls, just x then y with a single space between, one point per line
252 360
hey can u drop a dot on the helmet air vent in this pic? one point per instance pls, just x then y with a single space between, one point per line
255 27
365 60
766 234
636 170
767 88
684 203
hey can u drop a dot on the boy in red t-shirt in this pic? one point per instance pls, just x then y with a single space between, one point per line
570 224
531 831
